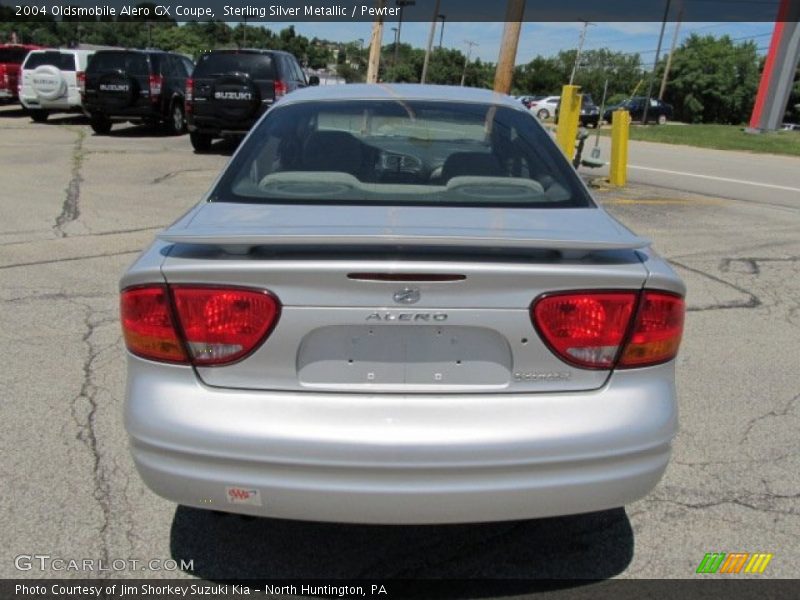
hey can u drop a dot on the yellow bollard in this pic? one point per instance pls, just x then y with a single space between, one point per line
569 112
620 131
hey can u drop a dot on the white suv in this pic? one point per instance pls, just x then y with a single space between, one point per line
52 81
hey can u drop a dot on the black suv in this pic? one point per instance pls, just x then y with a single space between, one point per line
230 89
590 112
140 86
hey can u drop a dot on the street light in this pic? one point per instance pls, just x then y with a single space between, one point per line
402 4
441 31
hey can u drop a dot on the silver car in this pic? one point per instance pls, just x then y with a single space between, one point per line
400 304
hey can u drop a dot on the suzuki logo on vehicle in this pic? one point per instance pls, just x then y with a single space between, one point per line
114 87
407 296
233 95
408 317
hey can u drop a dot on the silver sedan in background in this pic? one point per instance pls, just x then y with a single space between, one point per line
400 304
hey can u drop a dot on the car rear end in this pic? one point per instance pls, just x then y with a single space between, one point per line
400 362
11 58
124 85
229 91
52 80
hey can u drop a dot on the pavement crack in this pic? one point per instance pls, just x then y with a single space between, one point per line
70 209
752 300
771 414
172 174
84 412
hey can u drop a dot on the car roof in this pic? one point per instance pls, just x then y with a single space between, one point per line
246 51
400 91
75 51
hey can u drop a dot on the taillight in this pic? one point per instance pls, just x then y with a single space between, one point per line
602 330
657 331
4 79
80 77
280 89
189 90
155 86
147 324
215 325
221 325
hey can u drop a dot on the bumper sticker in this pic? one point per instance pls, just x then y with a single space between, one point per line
240 495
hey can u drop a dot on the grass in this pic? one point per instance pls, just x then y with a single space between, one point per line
720 137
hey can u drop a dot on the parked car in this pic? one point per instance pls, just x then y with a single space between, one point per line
590 112
230 89
659 112
137 86
51 80
528 100
400 304
11 57
545 107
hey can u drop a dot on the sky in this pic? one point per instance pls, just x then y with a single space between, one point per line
544 39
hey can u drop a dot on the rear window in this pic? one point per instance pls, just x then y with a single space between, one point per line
401 152
132 63
12 55
61 60
259 66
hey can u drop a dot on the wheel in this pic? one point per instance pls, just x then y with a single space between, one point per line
543 114
662 119
201 142
40 116
100 125
175 123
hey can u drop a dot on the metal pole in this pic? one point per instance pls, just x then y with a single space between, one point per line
669 58
430 43
655 63
396 37
504 73
469 44
580 49
441 31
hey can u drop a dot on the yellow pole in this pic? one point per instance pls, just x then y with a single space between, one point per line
620 130
569 111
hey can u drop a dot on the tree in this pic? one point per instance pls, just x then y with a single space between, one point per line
713 80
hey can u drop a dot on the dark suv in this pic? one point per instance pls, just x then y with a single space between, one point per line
140 86
230 89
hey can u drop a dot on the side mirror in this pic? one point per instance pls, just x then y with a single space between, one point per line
313 80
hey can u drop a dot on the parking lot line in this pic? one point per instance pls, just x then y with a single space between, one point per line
715 178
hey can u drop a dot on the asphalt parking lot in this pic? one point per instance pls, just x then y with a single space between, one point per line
76 210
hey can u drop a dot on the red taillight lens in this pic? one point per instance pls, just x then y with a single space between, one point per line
155 86
280 89
221 325
80 78
4 79
657 332
147 324
189 90
585 328
216 325
589 329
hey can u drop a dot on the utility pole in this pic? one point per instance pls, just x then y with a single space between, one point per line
655 63
469 44
402 4
441 31
375 46
430 43
244 34
396 33
669 58
580 49
515 10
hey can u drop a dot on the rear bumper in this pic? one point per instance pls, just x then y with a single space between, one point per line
218 127
400 459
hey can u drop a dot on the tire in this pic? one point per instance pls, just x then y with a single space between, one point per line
100 125
662 119
175 123
38 115
543 113
201 142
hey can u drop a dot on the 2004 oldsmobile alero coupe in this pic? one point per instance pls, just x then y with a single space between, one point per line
399 304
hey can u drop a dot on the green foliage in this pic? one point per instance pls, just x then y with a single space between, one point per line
713 80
